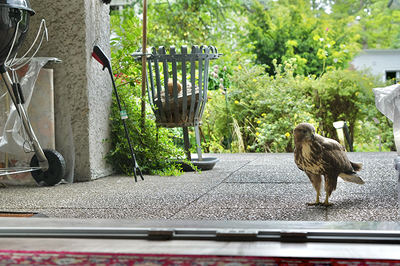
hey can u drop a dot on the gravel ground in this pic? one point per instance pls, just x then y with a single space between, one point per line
240 187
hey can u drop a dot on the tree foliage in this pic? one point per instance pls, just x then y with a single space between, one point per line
289 29
379 26
188 22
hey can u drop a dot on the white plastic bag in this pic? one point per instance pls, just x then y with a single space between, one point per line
12 139
387 100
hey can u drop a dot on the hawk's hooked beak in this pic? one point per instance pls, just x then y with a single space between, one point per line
309 136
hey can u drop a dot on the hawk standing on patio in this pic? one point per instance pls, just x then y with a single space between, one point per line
317 156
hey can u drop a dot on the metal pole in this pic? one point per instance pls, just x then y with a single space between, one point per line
186 143
135 164
8 112
198 143
43 162
144 44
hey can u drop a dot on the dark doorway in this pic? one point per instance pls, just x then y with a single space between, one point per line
391 75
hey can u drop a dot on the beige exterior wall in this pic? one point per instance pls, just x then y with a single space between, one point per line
82 90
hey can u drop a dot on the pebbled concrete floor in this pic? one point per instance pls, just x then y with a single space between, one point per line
240 187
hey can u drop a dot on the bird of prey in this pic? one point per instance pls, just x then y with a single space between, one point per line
317 156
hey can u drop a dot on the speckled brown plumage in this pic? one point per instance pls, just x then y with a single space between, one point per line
318 156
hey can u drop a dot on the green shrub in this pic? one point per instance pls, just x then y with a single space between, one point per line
154 147
343 95
374 132
258 111
287 104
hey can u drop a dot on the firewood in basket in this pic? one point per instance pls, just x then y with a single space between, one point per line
171 87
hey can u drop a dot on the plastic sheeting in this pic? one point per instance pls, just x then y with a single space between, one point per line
387 100
12 139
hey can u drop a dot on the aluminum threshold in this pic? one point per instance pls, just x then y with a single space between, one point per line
361 240
337 232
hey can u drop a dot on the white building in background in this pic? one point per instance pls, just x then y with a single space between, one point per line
383 63
119 4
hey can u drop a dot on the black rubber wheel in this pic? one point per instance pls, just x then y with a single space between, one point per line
56 170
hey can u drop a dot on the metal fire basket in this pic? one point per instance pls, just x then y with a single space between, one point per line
177 85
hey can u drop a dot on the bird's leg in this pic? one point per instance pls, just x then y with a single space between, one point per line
316 182
316 201
330 185
326 202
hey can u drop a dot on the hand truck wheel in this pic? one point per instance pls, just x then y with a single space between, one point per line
56 171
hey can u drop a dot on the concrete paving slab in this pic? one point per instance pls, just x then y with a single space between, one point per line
252 214
213 213
286 190
274 159
109 213
364 214
68 196
103 213
267 174
376 189
240 187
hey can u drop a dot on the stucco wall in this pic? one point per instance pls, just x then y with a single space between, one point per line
82 89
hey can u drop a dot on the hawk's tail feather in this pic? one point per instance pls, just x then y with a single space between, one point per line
356 166
353 178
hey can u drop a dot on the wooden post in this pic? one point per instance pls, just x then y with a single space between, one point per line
144 44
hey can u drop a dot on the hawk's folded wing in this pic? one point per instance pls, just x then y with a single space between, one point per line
334 155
